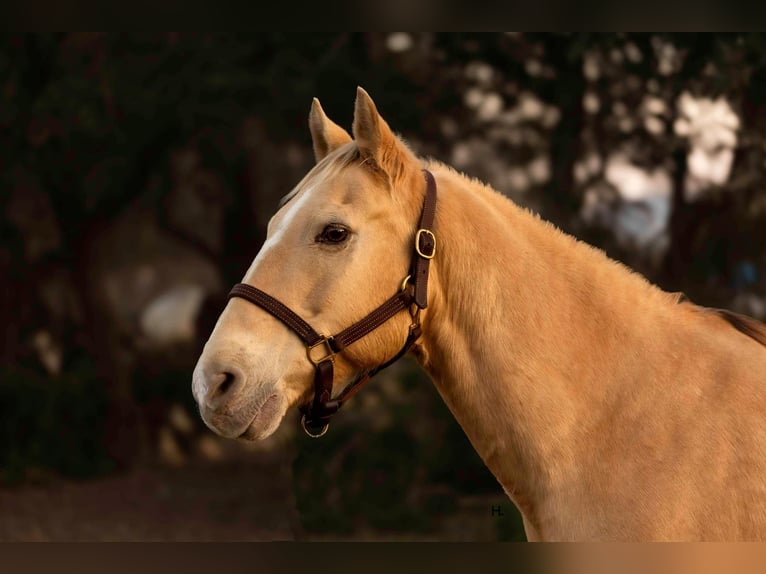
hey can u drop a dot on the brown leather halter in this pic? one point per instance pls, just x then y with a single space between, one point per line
321 350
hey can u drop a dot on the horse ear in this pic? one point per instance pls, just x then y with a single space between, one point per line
326 135
375 139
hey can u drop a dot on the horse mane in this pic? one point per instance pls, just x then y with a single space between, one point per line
744 324
753 328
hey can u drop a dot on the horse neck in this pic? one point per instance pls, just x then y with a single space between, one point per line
525 333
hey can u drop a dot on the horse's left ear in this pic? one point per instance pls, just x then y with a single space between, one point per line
326 135
375 139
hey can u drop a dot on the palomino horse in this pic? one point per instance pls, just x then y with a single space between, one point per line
606 408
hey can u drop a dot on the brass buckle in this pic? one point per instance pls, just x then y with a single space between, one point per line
417 243
329 353
308 432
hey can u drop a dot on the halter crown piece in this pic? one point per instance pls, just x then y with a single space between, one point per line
321 349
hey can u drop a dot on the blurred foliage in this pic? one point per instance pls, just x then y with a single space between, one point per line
93 125
51 425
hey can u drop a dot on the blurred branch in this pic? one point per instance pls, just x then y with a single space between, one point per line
566 92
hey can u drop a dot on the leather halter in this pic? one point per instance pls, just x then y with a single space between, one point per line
321 349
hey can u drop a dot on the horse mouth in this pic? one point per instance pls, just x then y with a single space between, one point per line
265 420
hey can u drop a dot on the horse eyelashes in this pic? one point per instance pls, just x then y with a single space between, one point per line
333 234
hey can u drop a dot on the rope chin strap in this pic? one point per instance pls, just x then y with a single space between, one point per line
321 349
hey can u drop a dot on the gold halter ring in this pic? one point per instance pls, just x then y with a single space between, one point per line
308 432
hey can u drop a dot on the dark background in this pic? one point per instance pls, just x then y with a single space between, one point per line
137 174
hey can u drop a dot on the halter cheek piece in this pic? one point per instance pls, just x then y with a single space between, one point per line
321 350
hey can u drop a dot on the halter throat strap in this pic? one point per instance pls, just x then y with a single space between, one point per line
321 349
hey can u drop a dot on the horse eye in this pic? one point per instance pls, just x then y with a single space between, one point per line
333 233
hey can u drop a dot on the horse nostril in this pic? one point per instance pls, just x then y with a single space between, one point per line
226 384
220 385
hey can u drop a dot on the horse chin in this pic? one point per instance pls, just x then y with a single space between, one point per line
266 420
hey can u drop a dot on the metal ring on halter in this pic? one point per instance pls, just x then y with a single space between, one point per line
308 432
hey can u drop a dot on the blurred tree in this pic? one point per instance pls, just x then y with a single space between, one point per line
96 125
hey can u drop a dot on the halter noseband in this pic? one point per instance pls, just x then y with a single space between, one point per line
321 350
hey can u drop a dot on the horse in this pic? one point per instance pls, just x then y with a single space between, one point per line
607 408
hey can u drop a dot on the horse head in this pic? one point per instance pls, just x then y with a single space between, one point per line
339 246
